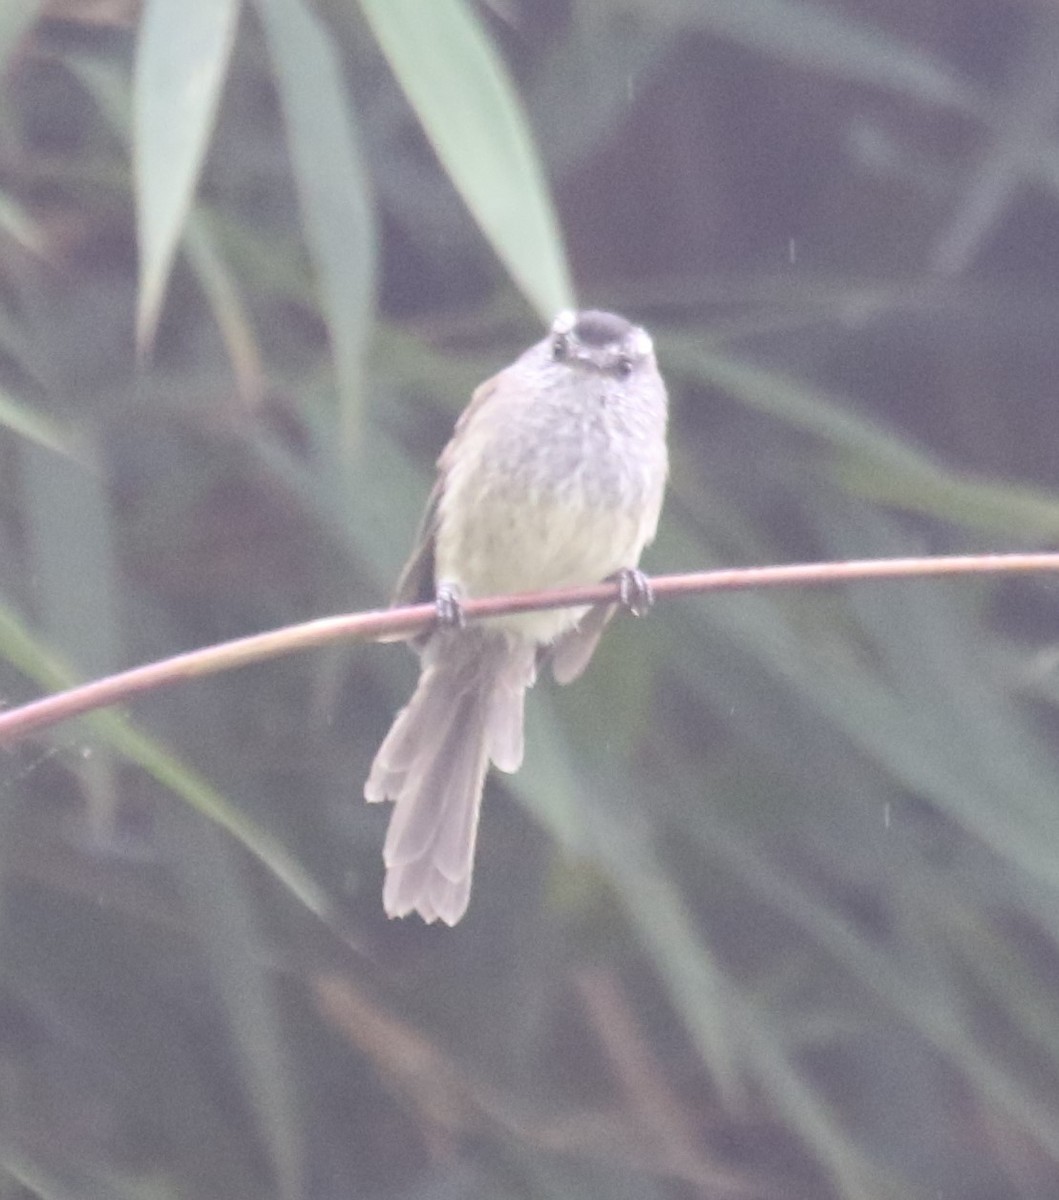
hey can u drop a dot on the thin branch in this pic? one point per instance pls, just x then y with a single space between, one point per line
403 623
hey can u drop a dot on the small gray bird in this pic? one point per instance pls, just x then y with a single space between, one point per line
554 477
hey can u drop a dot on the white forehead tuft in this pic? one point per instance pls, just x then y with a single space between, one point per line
564 322
640 342
637 341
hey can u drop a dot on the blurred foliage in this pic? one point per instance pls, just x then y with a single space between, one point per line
771 910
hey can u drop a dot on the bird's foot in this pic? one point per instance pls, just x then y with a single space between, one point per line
449 607
634 591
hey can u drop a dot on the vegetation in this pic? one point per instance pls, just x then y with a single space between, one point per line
771 910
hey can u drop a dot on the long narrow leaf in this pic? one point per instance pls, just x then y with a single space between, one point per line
823 39
331 180
220 905
36 427
15 22
181 62
463 96
19 646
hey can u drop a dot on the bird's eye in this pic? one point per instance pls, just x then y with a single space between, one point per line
623 367
559 347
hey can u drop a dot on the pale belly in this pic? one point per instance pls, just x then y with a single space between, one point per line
547 489
498 547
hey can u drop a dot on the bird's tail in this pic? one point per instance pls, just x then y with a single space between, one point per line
465 712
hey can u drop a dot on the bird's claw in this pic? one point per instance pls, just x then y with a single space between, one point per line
449 608
635 591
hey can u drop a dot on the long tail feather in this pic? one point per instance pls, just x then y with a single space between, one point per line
465 711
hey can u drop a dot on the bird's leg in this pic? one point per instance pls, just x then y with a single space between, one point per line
449 607
634 591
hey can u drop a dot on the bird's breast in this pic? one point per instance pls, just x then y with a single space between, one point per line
547 500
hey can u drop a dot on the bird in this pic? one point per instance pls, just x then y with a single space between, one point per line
554 476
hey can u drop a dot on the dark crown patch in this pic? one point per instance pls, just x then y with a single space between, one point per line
600 328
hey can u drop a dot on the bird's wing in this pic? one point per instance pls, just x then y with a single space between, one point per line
416 583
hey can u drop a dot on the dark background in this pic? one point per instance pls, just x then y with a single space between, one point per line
772 909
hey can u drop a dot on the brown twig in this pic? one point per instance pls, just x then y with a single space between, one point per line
396 623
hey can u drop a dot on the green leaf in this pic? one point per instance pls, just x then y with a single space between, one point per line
331 181
16 223
600 823
220 904
69 534
49 1172
824 40
24 651
223 294
35 426
15 22
875 464
181 62
459 88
